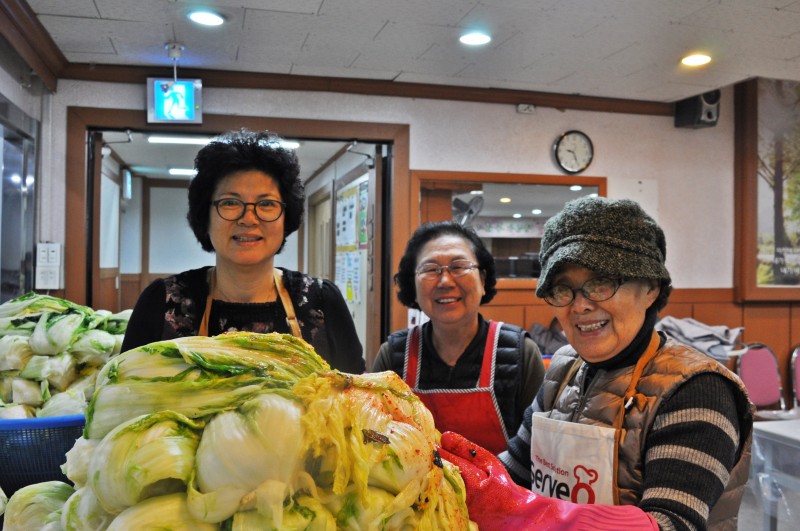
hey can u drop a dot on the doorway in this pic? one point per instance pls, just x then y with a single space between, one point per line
81 234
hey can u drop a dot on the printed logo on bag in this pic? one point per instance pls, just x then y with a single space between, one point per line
554 482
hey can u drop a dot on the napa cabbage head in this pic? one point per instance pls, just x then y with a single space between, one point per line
36 506
55 332
161 512
14 352
248 455
83 512
144 457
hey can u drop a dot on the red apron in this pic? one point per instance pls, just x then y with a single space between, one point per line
471 412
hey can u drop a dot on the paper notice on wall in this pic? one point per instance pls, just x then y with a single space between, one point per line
347 219
348 275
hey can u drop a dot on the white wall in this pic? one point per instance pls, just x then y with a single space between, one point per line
684 177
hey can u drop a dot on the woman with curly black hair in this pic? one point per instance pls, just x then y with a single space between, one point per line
476 376
246 198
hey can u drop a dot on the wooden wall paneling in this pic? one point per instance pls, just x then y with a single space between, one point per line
542 314
508 314
718 314
435 205
678 310
106 289
129 290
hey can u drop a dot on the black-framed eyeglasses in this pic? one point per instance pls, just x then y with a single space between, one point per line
597 289
232 209
456 268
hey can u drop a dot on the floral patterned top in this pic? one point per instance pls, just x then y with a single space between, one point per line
173 307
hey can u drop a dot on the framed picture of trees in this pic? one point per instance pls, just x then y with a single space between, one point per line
767 190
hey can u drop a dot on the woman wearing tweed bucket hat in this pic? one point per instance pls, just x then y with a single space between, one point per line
626 415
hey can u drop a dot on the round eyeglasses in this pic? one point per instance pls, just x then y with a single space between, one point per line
456 268
596 290
232 209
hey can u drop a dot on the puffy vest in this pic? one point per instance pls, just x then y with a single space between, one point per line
674 364
507 372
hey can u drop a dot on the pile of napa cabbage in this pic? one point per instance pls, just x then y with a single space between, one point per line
247 431
51 350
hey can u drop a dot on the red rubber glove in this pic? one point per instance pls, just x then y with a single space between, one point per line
495 502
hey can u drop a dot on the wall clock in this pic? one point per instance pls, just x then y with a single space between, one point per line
573 151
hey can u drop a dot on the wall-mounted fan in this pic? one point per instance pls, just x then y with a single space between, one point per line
464 212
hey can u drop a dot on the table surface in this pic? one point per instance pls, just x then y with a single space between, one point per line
785 431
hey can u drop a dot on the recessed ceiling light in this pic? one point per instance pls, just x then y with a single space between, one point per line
576 188
182 171
195 140
505 199
697 59
206 18
516 215
536 211
475 38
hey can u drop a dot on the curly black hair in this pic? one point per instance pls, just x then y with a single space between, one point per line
407 291
244 150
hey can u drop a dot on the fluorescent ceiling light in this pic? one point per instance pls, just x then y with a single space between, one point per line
206 18
182 171
697 59
475 38
476 192
290 144
196 140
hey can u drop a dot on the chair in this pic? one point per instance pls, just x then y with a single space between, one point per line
758 369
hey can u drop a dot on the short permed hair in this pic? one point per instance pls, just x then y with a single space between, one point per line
244 150
407 291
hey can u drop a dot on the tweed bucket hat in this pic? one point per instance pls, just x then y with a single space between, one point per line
610 237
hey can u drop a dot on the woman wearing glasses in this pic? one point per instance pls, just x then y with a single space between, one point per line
626 415
246 198
476 376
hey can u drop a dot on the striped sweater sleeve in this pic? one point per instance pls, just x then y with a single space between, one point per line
690 453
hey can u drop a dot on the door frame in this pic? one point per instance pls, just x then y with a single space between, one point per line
78 231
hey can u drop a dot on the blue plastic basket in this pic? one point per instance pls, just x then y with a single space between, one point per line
33 450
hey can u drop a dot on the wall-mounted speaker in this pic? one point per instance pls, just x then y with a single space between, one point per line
698 111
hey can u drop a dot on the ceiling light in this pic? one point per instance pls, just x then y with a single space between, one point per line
476 192
516 215
576 188
505 199
182 171
696 59
206 18
536 211
197 140
475 38
290 144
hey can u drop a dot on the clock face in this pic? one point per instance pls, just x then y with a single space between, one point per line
573 151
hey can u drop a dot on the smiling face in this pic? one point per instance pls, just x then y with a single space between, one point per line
449 300
598 331
248 240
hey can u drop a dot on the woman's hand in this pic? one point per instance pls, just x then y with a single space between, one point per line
495 502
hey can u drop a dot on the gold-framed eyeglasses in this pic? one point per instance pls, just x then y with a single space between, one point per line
597 289
232 209
456 268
